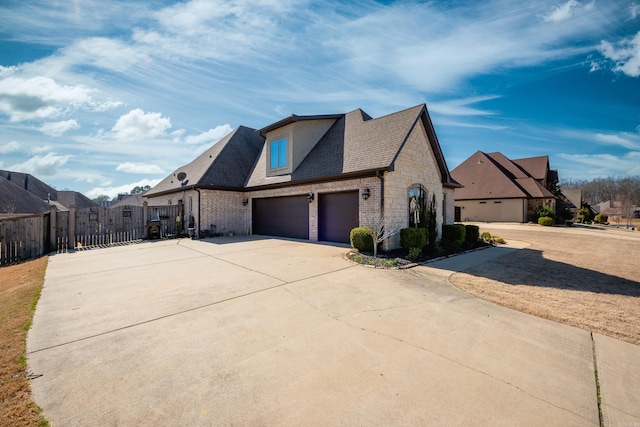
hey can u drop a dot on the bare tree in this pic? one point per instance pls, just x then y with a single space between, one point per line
381 230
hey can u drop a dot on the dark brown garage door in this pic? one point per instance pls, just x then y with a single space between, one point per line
337 215
281 216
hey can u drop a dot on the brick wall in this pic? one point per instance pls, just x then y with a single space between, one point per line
367 208
415 165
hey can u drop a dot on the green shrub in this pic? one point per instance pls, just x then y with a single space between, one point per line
472 233
601 219
361 239
414 253
453 235
546 211
546 220
413 238
584 215
486 236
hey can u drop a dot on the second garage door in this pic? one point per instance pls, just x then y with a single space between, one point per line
338 213
281 216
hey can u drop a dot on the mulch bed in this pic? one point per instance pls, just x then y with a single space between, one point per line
400 258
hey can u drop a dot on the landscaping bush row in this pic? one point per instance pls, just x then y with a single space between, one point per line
414 240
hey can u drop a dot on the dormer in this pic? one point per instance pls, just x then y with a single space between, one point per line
289 140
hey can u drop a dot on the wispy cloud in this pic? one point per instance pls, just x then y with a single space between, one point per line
461 107
589 166
142 168
562 12
210 136
9 147
46 165
58 128
634 10
623 139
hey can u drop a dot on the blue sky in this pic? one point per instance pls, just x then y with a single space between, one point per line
101 96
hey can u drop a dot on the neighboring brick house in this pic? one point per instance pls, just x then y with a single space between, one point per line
498 189
313 177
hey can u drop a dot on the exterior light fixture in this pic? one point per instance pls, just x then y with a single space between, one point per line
310 197
366 193
245 201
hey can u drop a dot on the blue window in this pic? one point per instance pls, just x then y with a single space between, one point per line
279 153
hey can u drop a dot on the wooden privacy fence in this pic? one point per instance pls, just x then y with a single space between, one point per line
23 238
31 236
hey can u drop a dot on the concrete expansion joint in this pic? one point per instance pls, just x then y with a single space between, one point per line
597 379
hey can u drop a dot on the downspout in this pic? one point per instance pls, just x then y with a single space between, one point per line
199 212
380 176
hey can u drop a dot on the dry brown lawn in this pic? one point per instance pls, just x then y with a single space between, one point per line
19 291
592 282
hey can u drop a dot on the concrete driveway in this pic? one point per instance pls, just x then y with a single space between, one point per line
259 331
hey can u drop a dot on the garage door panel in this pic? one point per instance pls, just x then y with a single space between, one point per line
338 213
281 216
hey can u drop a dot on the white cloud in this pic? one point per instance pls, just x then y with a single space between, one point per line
58 128
38 98
9 147
42 165
144 168
562 12
210 136
137 124
634 10
625 54
120 189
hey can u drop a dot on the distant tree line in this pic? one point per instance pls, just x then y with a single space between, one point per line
135 190
604 189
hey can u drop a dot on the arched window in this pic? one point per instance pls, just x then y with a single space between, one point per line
417 205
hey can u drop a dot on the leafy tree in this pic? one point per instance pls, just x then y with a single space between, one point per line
139 190
102 198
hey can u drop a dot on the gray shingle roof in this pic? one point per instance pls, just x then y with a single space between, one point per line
494 176
355 144
16 200
226 164
30 183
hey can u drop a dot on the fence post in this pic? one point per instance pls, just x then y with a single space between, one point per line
145 217
53 230
72 227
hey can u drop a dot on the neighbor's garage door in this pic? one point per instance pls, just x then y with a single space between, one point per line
281 216
337 215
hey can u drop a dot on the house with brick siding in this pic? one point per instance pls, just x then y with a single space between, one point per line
313 177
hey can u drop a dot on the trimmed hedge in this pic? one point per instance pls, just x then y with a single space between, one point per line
453 235
413 238
472 234
546 220
360 238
